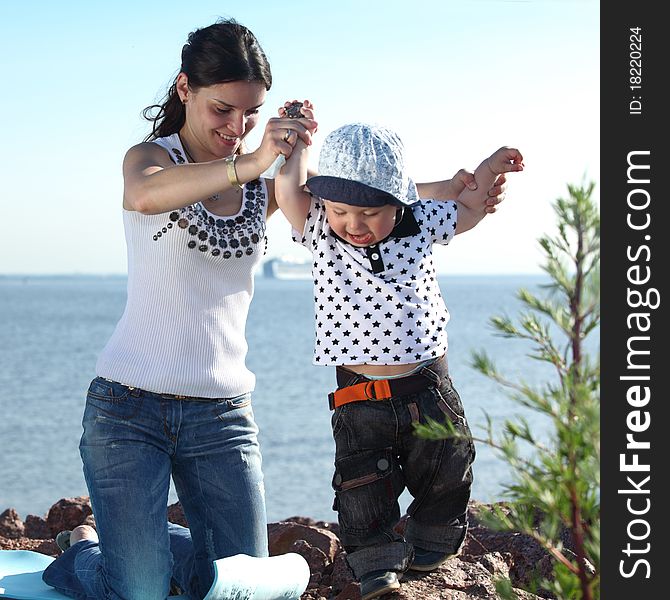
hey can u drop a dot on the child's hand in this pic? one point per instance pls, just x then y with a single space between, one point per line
505 160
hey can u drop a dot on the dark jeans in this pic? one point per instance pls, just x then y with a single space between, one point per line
378 455
133 442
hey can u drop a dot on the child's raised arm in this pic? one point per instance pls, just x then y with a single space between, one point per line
292 198
472 204
449 189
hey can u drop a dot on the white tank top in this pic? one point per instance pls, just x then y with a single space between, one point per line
190 283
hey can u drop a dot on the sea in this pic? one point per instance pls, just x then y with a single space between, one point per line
53 327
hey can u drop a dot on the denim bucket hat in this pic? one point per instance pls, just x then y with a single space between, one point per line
363 165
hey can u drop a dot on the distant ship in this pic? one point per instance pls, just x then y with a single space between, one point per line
287 268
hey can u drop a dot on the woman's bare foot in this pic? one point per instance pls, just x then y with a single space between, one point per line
83 532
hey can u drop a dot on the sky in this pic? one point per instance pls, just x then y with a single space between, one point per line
456 79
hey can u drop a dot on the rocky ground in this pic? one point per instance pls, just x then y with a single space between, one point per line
486 555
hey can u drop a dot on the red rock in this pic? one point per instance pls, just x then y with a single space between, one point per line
37 528
68 513
329 525
316 560
351 592
282 536
11 525
341 575
176 514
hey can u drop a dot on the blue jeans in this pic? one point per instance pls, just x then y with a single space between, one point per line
378 455
133 441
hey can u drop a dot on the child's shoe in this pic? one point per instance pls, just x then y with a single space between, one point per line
429 560
378 583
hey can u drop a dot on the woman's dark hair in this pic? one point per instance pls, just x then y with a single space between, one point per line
222 52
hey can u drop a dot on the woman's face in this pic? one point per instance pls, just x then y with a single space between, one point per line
360 225
219 117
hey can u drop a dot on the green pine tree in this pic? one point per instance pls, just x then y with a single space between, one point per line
554 493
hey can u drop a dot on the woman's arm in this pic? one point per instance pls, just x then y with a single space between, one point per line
154 184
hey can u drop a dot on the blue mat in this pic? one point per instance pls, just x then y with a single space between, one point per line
283 577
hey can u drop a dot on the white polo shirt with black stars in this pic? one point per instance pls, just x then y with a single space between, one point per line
380 304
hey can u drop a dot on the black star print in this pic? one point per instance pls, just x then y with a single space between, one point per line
342 277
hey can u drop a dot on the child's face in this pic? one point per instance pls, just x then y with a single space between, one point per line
360 225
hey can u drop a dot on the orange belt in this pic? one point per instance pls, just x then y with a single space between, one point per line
377 389
383 389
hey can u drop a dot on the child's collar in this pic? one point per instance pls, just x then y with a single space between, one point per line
405 226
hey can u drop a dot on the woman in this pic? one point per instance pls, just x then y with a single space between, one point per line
172 396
